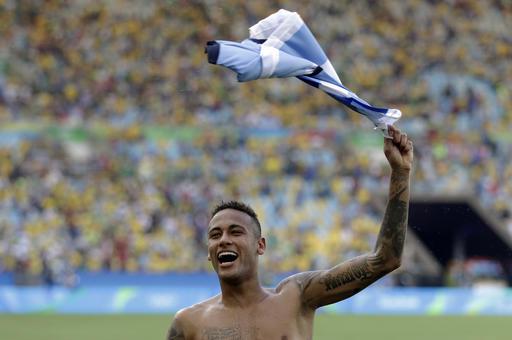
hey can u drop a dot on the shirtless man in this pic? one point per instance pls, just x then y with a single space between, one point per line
246 310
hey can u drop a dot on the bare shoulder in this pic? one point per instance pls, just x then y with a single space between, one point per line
196 311
294 286
187 320
297 282
177 330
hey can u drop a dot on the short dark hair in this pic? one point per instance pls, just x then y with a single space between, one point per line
240 206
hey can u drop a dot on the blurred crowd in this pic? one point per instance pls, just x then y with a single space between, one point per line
165 136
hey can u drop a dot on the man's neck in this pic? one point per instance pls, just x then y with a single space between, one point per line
242 294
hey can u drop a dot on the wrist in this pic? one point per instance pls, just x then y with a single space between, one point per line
401 171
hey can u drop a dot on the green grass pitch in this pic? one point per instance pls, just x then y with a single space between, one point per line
327 327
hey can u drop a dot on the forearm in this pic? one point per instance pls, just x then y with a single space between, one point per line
390 242
321 288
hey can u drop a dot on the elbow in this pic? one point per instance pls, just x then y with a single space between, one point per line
394 264
388 262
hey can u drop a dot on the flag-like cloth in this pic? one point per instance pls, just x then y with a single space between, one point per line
281 46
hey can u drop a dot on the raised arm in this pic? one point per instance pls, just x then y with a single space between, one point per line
320 288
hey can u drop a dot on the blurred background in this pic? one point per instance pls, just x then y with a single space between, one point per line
117 138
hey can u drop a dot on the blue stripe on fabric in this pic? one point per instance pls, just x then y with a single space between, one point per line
294 56
310 81
304 45
322 76
355 104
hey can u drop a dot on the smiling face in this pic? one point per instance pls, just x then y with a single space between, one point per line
233 245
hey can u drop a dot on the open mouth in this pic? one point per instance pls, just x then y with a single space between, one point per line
226 257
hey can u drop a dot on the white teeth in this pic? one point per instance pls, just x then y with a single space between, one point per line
227 256
228 253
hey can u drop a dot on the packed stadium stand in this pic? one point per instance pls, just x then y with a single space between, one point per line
117 137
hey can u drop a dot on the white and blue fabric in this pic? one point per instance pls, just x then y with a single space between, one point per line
281 46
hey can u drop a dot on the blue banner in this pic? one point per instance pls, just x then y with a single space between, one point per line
163 299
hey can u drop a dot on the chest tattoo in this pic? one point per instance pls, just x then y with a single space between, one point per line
230 333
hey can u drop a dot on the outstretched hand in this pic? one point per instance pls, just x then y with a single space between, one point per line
398 149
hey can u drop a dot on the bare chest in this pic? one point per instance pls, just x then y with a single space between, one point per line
241 332
261 323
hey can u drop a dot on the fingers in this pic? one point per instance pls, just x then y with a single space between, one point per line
403 140
400 139
395 134
408 146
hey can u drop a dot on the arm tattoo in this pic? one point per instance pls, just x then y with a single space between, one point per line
389 245
356 271
175 333
304 281
394 224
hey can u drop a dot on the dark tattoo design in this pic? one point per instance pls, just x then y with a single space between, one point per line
398 243
398 185
394 224
304 281
175 333
357 271
222 334
376 261
319 288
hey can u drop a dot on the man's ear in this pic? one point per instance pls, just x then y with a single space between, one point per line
262 245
